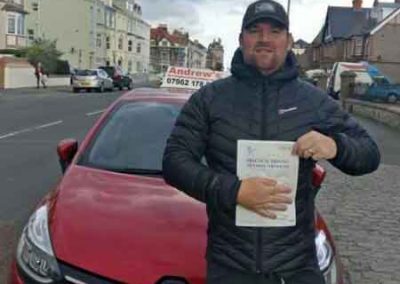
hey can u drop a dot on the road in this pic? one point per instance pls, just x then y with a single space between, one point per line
361 212
32 122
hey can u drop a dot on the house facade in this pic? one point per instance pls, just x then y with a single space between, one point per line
93 32
215 55
174 49
12 24
358 34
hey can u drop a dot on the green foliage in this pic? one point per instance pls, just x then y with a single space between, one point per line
44 51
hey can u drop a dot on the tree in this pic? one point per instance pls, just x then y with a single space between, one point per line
44 51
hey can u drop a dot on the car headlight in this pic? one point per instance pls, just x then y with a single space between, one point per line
326 258
35 255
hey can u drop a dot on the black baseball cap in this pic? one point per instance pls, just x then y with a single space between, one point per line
265 9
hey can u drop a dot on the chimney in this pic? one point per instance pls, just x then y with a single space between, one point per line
357 4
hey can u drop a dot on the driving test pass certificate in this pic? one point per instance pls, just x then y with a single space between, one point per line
269 159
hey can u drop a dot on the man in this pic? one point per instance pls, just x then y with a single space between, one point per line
41 77
262 100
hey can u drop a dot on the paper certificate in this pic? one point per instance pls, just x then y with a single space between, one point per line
270 159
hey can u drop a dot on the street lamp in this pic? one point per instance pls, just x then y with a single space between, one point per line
288 8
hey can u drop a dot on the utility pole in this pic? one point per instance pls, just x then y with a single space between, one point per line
288 8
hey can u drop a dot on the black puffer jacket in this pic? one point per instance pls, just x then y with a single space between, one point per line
248 105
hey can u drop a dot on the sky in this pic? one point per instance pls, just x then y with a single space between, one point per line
206 20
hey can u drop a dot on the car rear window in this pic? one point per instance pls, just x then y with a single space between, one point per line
109 70
86 73
133 137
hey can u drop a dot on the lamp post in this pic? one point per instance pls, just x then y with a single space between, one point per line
288 8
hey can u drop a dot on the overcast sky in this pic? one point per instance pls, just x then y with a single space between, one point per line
208 19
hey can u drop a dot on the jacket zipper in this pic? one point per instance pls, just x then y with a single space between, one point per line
263 136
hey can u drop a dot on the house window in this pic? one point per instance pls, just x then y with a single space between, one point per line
138 48
164 43
108 44
120 43
130 66
20 24
130 43
98 40
164 56
11 24
31 34
358 44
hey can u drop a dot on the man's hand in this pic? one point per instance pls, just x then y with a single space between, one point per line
262 195
315 145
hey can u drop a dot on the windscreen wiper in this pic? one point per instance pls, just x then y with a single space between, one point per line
136 171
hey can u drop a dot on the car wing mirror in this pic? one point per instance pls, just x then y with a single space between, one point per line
66 150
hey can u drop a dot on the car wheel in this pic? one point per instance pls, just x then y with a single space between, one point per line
76 90
120 87
88 90
392 98
130 85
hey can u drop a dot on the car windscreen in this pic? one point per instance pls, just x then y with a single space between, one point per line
133 138
86 73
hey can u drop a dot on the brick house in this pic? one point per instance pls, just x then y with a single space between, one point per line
175 49
358 34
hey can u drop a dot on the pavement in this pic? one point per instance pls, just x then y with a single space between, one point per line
363 216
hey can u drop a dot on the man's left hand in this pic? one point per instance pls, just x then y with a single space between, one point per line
316 146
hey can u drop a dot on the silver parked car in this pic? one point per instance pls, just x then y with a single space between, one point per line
89 79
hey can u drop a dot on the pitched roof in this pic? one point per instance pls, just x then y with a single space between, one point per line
345 22
160 33
390 17
301 43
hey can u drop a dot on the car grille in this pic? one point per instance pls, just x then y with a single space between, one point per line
77 276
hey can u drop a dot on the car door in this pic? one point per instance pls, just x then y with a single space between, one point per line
108 83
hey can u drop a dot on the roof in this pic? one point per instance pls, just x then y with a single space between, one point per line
13 7
345 22
390 17
301 43
161 33
388 5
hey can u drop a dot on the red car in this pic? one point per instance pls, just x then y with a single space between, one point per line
113 219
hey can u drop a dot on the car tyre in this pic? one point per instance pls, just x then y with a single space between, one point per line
392 98
130 85
76 90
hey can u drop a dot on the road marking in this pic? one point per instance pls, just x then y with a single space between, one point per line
48 124
30 129
95 112
15 133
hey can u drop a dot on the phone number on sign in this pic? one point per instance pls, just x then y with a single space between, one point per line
186 82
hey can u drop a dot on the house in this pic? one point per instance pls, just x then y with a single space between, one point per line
12 24
215 55
174 49
359 34
299 47
93 33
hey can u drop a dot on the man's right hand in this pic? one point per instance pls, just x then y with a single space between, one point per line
263 195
